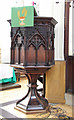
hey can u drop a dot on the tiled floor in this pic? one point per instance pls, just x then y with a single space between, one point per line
8 100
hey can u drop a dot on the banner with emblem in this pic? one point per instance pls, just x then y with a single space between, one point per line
22 16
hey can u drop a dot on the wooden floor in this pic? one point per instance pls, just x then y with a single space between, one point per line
8 100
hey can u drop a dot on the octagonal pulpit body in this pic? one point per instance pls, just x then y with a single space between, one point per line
34 46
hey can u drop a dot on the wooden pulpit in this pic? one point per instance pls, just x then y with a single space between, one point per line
32 51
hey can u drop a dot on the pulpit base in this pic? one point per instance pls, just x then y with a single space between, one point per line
32 102
32 111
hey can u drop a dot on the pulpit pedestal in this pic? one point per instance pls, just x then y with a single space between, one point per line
33 102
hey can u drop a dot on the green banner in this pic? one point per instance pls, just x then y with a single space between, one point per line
22 16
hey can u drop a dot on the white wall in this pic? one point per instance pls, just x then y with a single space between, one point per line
5 40
4 30
59 30
52 9
46 8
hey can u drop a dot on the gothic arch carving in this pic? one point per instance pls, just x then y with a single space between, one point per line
36 40
18 38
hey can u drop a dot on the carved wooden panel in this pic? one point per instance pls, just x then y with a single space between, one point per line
51 56
41 55
16 55
22 55
12 61
31 55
